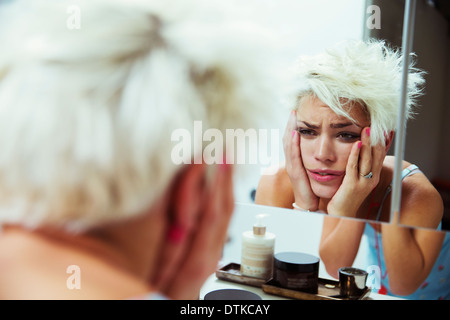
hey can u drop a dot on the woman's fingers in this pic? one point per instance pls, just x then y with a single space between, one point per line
371 157
291 154
294 164
287 137
304 196
294 157
378 155
352 170
365 158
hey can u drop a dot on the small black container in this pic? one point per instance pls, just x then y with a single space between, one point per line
297 271
231 294
352 282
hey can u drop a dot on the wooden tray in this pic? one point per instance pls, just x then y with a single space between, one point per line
232 272
328 289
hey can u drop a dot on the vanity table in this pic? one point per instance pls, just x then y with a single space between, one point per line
295 231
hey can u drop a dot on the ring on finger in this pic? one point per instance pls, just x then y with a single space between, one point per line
367 176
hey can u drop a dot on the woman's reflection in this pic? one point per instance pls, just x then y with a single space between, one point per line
338 135
336 144
411 262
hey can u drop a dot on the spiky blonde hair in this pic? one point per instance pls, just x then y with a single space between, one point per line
366 72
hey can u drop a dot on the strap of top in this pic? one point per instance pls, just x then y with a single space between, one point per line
410 170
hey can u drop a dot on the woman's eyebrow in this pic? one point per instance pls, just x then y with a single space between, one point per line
338 125
341 125
309 125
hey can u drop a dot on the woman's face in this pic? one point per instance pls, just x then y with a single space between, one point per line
325 143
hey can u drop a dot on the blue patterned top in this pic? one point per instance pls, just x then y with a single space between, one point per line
437 284
435 287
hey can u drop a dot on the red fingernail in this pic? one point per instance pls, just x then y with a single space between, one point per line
368 131
176 234
359 145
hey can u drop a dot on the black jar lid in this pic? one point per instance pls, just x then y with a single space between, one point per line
296 262
231 294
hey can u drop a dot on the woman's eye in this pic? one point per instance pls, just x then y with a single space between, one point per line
348 136
306 132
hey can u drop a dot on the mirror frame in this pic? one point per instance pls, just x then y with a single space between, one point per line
407 40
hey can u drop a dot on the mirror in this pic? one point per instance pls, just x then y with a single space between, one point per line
322 26
303 233
431 26
309 29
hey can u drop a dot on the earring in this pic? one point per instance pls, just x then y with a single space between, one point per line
176 234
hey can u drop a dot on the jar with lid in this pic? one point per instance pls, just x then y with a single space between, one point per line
297 271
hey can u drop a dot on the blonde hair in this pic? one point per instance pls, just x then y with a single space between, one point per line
86 115
368 73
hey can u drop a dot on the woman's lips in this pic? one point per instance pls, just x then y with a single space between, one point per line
325 175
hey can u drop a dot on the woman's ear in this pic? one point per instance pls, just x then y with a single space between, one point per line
184 199
188 190
388 138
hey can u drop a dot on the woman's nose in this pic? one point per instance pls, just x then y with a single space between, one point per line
325 150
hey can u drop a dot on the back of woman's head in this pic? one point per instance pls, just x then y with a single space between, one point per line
91 91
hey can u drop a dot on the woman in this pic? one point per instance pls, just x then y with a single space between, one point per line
336 143
92 204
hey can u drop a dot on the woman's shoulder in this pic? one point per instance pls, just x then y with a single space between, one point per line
66 273
421 203
414 176
274 187
417 177
389 163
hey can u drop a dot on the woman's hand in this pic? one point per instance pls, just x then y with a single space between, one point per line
304 196
355 188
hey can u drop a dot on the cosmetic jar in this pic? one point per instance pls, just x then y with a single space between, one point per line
231 294
297 271
257 251
352 282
